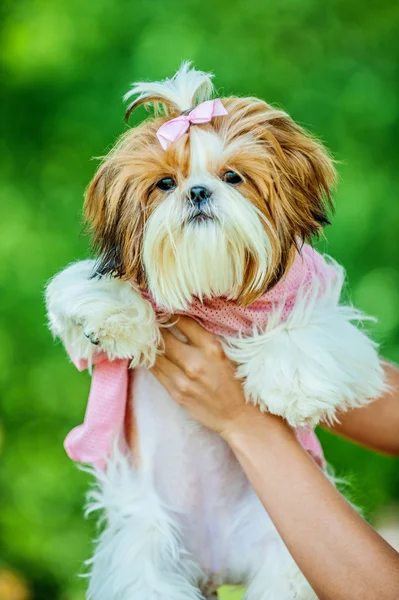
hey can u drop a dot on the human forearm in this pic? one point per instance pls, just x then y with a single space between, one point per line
376 425
339 553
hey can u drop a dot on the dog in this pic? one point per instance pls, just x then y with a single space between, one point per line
207 208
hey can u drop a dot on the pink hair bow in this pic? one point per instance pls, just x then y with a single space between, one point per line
172 130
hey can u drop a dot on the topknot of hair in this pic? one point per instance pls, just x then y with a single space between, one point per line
187 88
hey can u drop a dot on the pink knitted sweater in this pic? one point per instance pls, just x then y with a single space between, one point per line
91 442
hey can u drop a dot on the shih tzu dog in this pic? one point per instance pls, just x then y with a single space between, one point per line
208 209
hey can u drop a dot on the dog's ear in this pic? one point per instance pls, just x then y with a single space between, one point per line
116 226
304 178
292 172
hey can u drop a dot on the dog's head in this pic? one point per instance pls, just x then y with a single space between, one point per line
221 211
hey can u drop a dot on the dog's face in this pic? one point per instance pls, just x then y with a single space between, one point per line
219 213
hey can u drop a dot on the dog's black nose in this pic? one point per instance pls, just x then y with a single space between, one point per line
199 195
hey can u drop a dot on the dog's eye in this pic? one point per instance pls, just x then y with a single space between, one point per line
166 184
232 178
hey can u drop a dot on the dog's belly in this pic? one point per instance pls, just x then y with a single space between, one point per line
197 475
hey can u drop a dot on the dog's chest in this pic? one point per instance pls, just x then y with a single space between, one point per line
192 469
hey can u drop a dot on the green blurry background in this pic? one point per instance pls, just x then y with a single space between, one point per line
332 65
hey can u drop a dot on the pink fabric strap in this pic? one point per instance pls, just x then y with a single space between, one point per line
91 442
172 130
310 442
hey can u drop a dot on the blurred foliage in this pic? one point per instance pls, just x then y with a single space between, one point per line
333 65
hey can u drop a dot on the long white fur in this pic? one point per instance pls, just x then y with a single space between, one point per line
306 369
203 260
140 546
118 320
139 553
312 366
144 552
185 89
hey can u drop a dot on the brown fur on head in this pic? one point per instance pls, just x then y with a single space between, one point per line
156 239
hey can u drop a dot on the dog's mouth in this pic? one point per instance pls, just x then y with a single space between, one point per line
199 217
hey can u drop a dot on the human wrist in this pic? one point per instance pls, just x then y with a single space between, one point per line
248 422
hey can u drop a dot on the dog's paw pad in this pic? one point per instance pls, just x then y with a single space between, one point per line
92 337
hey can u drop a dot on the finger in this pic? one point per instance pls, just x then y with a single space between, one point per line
163 379
200 337
176 351
170 376
194 332
166 366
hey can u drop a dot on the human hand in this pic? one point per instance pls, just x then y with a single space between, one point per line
200 377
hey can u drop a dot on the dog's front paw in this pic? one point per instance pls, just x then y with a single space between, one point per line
298 409
310 370
288 400
101 314
129 331
92 337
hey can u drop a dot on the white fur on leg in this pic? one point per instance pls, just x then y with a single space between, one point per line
105 310
139 554
311 366
278 578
